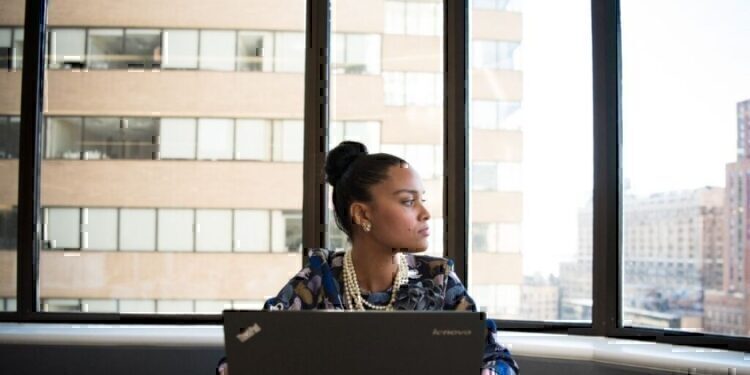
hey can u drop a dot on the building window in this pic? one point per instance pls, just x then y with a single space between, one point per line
252 140
355 54
180 49
255 51
252 230
64 136
106 49
509 177
290 52
493 114
8 228
6 48
286 231
213 230
62 228
288 140
177 138
492 54
215 139
175 229
17 49
217 50
366 132
142 48
413 89
99 229
484 176
67 48
137 229
427 159
10 132
414 18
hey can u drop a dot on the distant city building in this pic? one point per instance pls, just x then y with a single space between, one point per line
540 299
667 239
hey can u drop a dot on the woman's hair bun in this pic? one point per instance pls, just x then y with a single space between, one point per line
340 158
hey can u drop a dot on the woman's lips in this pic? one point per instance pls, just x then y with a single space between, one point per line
425 232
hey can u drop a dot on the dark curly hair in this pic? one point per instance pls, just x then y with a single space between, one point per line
351 171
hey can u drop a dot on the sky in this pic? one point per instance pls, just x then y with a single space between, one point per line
685 66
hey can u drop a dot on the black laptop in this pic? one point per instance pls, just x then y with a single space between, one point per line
337 342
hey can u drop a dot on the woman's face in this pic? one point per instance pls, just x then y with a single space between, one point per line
398 213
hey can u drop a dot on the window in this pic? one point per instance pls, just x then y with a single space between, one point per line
288 140
414 17
8 228
99 229
491 54
286 231
100 138
493 114
213 230
10 131
180 49
290 52
177 137
252 230
355 54
64 137
142 48
217 50
6 49
255 51
137 229
252 140
505 5
175 229
67 48
106 49
62 226
215 138
17 61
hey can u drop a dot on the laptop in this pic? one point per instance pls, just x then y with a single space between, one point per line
365 342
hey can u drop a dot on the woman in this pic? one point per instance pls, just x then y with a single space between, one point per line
378 203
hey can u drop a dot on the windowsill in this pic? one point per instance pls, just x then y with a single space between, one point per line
638 354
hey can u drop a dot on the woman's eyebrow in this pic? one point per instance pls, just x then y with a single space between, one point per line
408 191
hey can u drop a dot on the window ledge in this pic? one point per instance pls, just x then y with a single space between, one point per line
639 354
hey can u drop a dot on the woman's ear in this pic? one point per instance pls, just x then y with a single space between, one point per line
358 213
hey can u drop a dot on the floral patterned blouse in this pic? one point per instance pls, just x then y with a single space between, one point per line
433 285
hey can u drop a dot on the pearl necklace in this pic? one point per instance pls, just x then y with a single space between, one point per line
352 292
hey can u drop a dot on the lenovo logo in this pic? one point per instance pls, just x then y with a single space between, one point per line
451 332
248 333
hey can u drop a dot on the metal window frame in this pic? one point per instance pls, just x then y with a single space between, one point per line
607 127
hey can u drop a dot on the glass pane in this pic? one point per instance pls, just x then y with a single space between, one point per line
685 167
386 92
67 48
105 49
142 48
191 124
11 51
531 163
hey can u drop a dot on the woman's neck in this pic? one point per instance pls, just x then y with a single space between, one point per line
376 267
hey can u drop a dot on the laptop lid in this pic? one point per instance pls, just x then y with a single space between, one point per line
336 342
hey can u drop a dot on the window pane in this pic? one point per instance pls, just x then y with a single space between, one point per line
252 230
142 48
99 229
10 131
217 50
420 88
362 54
63 228
394 87
255 51
17 62
531 159
252 140
177 138
6 49
67 48
290 52
180 49
175 229
395 17
137 229
215 138
366 132
101 138
685 167
213 230
175 96
64 137
106 49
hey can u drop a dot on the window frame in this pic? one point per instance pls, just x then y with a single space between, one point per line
607 205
